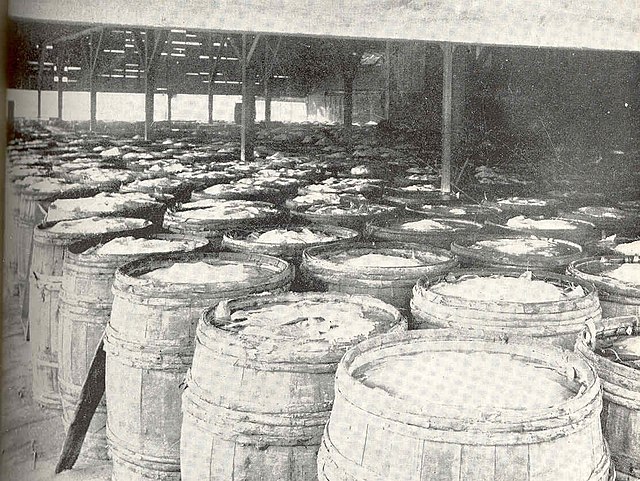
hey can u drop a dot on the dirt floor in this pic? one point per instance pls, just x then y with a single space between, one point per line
31 437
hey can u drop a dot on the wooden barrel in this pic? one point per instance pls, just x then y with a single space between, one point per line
328 268
262 415
609 246
473 212
517 252
49 252
527 206
179 189
149 344
237 191
617 298
134 205
580 231
621 391
459 411
195 220
289 250
352 217
34 202
557 320
437 232
609 220
85 307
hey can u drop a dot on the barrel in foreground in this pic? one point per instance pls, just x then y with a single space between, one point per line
463 422
260 389
612 347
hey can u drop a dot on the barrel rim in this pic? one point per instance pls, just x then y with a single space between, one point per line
584 228
41 232
463 248
316 259
389 225
576 269
127 275
586 401
77 255
297 351
423 286
230 240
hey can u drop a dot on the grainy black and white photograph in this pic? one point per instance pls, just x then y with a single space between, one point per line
321 240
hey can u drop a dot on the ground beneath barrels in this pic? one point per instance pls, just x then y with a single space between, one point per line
25 427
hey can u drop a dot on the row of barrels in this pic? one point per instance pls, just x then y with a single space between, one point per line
585 227
133 359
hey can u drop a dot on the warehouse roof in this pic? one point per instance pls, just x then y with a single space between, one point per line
591 24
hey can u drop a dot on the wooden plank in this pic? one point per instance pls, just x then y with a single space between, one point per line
447 97
90 397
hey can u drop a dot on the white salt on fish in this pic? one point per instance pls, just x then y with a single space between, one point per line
522 222
382 260
425 225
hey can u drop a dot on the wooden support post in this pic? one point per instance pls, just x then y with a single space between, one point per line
152 46
149 95
11 112
213 71
168 70
60 72
348 103
387 80
94 54
267 102
93 101
447 97
269 60
40 77
247 129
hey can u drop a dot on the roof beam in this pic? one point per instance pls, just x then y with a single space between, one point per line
82 33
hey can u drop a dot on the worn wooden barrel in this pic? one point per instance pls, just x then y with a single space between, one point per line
209 218
528 206
34 202
50 242
262 414
549 306
287 241
518 252
236 191
574 230
85 307
179 189
618 298
445 406
352 269
621 386
437 232
457 210
149 345
609 220
350 215
134 204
